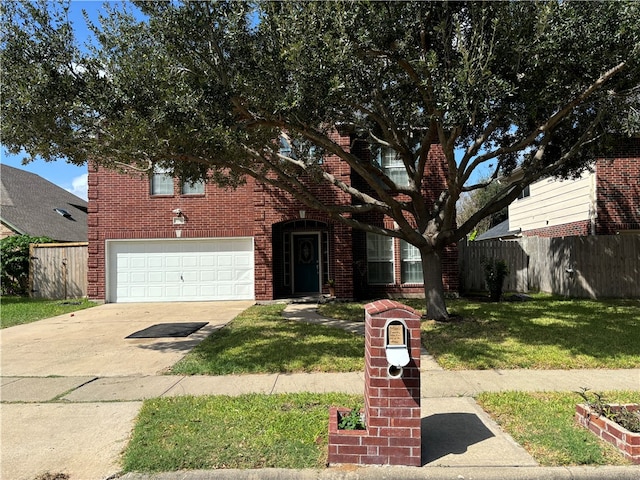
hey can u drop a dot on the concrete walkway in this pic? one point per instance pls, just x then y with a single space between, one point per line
78 424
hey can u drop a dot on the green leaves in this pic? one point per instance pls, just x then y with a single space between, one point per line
207 88
14 263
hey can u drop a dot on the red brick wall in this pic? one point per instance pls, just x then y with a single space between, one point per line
565 230
273 206
618 189
121 207
627 442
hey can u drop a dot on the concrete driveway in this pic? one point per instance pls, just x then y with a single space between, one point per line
92 342
84 440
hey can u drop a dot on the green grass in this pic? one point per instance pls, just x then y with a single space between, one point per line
544 333
543 423
290 431
250 431
261 340
19 310
350 311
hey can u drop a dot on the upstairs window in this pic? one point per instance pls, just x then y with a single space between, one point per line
379 259
195 188
293 149
411 263
524 193
161 182
393 166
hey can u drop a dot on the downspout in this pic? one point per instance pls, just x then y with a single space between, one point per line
593 208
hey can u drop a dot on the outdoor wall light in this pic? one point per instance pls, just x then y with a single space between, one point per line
303 214
179 218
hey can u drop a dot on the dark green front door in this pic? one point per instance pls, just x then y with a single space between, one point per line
306 263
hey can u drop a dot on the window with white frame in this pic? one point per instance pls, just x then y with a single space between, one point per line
193 188
393 166
161 182
411 267
379 259
291 150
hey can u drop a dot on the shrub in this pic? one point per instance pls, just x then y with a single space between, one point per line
14 263
629 419
495 271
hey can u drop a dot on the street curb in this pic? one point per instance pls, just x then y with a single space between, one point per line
402 473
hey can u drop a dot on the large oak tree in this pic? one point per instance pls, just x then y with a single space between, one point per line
206 87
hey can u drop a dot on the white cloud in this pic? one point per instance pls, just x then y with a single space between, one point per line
79 186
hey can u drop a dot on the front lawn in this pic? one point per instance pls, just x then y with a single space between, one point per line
542 333
19 310
261 340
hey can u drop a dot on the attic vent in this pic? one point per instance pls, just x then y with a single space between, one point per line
62 212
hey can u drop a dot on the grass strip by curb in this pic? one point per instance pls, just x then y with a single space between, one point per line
249 431
290 430
543 423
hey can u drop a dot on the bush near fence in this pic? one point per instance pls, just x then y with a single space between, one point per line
582 267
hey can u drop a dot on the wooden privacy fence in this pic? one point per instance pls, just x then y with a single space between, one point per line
592 267
58 270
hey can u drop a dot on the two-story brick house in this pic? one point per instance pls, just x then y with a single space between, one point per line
153 238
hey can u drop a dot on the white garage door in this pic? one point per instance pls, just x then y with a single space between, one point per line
180 270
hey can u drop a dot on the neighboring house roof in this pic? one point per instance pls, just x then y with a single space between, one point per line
499 232
29 203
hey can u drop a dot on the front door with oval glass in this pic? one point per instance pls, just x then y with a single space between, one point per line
306 263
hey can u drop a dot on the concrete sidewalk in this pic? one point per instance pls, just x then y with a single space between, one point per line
80 424
435 384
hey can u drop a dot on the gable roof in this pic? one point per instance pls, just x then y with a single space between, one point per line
500 231
28 204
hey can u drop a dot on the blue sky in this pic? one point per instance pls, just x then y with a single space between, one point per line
65 175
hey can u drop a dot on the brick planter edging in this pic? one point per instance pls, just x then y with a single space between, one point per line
627 442
359 447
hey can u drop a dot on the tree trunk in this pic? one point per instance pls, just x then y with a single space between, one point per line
433 286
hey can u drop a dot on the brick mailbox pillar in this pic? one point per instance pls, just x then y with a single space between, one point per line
391 392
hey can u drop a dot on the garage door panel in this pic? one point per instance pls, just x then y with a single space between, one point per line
155 291
137 262
243 290
155 262
155 277
225 260
190 290
207 276
188 262
188 276
137 277
225 275
137 292
181 270
245 277
172 277
172 261
207 261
